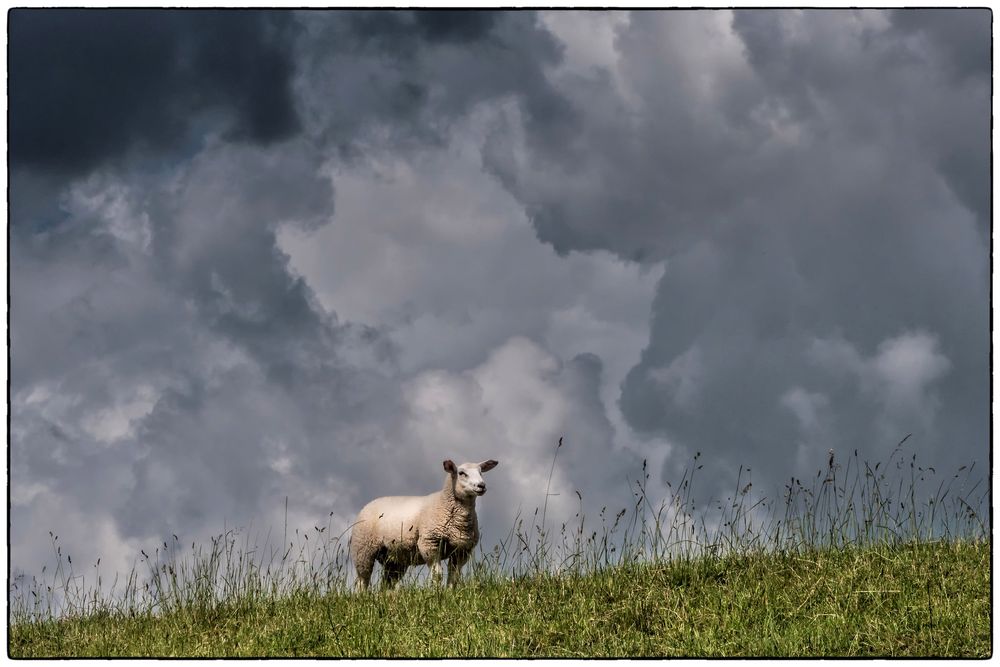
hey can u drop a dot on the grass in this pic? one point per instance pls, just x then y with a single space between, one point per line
914 600
884 560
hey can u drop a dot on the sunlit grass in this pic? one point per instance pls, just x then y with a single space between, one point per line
884 560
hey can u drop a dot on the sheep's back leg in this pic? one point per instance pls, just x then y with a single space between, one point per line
364 575
364 564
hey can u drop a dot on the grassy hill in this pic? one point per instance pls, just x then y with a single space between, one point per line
861 563
930 599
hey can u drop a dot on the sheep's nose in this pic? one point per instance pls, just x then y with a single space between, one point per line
481 488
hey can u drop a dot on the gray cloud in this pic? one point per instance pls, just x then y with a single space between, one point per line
89 85
508 346
198 332
170 371
403 77
960 38
809 177
175 373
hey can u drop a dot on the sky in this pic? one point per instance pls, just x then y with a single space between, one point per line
258 256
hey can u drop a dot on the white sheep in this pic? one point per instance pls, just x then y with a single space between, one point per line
399 531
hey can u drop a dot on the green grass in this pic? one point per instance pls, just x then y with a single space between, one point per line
909 600
863 562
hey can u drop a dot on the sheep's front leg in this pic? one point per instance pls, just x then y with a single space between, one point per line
454 574
436 573
431 551
455 564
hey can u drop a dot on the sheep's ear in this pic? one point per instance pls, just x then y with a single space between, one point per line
488 465
449 466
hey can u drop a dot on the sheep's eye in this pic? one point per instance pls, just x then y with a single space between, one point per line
462 473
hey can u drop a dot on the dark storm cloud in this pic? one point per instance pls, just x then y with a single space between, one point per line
404 30
87 85
962 38
169 368
405 76
818 184
948 49
961 41
700 124
455 25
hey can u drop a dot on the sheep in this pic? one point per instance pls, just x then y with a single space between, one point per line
399 531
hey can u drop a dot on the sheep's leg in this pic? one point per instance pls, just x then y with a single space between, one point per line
454 574
455 564
392 574
364 563
436 572
432 551
364 576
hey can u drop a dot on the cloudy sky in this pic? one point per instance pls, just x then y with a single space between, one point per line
311 255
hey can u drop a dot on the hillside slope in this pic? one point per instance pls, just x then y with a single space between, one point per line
924 599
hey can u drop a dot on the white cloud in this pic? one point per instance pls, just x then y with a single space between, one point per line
432 248
514 407
906 366
82 535
118 421
812 412
681 377
836 355
898 378
805 405
111 202
588 39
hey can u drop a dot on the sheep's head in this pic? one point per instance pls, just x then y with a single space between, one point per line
468 478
